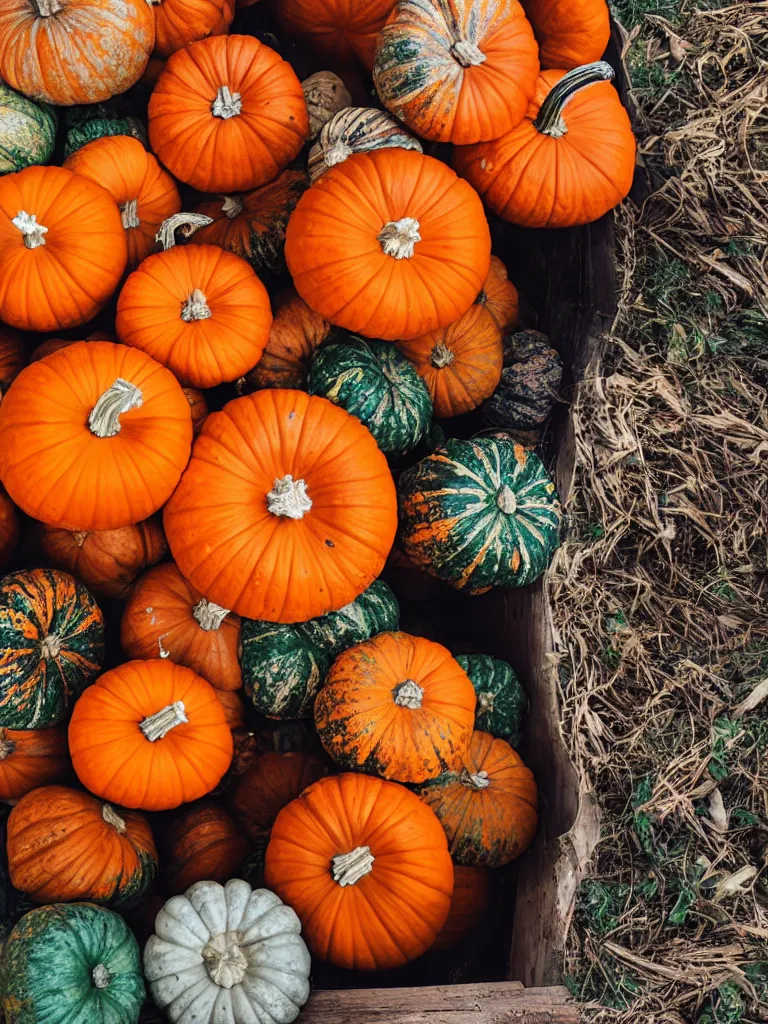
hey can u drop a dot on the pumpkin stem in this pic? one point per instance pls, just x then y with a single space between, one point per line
506 500
80 537
408 694
157 726
45 8
337 154
209 615
227 104
113 818
399 237
161 650
467 53
187 223
349 868
50 646
485 702
289 497
482 298
129 214
28 226
100 974
476 782
550 120
104 419
224 960
196 307
441 356
231 206
7 747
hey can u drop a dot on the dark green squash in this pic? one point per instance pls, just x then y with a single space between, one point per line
479 514
87 122
501 700
374 381
51 647
527 391
284 665
71 963
27 131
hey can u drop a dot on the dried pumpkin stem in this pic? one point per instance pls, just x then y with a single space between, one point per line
467 53
550 120
101 976
231 206
196 307
80 537
474 781
507 500
129 214
226 104
113 818
337 154
187 223
289 498
224 960
31 231
349 868
50 646
485 701
398 238
441 356
46 8
123 396
209 615
156 726
408 694
7 747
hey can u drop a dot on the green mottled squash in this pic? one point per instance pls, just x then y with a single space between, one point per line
501 700
375 382
71 963
479 514
103 127
27 131
527 391
284 665
51 647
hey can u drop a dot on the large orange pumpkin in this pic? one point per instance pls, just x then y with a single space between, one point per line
365 868
64 845
149 734
389 244
488 807
145 193
569 32
337 29
165 617
397 706
287 509
457 71
271 782
461 364
227 114
13 357
93 437
202 844
569 162
181 22
9 528
499 296
30 758
468 903
74 51
62 248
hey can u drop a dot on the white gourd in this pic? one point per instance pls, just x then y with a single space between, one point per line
227 954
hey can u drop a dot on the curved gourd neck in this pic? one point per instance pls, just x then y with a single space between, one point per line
550 119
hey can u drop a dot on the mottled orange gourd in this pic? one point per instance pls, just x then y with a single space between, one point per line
181 22
341 31
30 758
569 32
202 843
296 333
271 782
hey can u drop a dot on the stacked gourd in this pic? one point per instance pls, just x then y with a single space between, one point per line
341 283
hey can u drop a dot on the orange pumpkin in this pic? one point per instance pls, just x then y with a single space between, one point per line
180 22
459 71
296 332
149 734
9 528
336 29
488 807
499 296
202 844
460 364
74 51
287 509
198 407
389 244
569 32
234 709
468 903
271 782
144 192
64 845
30 758
45 348
62 248
13 357
93 437
569 162
365 868
165 617
227 95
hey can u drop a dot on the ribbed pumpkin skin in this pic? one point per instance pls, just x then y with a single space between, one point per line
423 78
390 915
88 51
460 364
9 528
493 825
58 471
538 181
113 758
159 622
253 225
30 758
68 940
271 782
13 357
123 167
499 296
284 665
529 383
377 384
265 565
340 268
357 130
337 29
63 845
180 22
468 903
501 700
453 527
364 728
296 332
569 32
27 131
202 844
66 281
51 647
189 139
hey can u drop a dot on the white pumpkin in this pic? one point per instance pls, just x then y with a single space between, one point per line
227 954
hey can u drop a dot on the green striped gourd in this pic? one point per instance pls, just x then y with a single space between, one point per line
357 130
501 700
27 131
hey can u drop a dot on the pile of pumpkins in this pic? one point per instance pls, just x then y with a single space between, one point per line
263 247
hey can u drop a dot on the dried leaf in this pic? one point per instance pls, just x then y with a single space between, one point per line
736 883
717 811
757 696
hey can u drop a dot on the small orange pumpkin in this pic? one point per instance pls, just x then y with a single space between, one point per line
202 844
460 364
198 407
271 782
499 296
30 758
468 903
336 29
45 348
13 357
569 32
181 22
9 528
